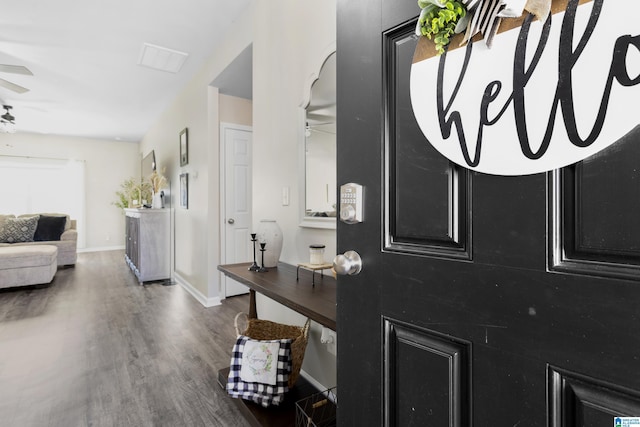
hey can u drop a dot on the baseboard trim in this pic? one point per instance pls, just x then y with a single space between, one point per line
101 248
199 296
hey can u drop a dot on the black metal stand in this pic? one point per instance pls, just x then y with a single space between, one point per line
254 266
262 249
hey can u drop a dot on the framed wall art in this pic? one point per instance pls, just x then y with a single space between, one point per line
184 147
184 190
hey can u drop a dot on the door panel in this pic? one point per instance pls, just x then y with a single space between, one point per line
483 300
576 400
237 141
439 391
592 218
417 172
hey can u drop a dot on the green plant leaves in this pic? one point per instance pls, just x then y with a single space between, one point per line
439 21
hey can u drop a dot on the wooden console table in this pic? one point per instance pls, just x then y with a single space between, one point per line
280 284
296 290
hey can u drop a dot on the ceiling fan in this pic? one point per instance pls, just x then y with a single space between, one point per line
14 69
7 121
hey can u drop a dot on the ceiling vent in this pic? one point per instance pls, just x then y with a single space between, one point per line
161 58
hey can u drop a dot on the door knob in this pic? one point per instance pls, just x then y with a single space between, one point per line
350 263
231 221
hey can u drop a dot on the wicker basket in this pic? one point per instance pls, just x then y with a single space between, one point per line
259 329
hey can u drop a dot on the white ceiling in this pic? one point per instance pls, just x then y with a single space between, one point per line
84 56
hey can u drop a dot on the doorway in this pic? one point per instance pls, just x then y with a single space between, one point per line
235 94
235 178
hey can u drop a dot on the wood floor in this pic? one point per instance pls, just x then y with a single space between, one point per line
97 349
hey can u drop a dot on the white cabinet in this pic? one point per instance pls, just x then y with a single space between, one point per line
147 243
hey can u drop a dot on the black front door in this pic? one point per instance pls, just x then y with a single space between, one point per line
483 300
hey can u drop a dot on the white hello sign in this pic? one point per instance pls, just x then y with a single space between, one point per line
546 95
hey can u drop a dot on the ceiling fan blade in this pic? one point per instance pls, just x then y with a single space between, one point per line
12 86
15 69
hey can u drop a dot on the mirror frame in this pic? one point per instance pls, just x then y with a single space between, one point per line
310 221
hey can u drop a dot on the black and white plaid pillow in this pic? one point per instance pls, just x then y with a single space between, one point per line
261 393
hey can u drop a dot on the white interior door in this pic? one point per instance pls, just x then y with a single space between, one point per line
237 143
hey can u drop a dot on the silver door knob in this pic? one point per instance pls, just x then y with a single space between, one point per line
350 263
231 221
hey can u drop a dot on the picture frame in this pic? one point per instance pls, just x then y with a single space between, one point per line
184 190
184 147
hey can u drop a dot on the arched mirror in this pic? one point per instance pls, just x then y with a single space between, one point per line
318 150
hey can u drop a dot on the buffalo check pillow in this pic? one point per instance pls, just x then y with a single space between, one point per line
260 370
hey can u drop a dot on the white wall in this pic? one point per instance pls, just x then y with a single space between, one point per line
197 229
291 48
290 40
107 164
235 110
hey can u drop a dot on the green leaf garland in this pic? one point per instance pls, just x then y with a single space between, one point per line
439 21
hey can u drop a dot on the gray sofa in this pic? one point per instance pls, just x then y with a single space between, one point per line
27 265
67 245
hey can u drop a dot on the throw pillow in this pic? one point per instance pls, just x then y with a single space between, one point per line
49 228
17 230
3 218
259 362
261 393
67 223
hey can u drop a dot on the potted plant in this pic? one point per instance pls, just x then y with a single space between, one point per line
157 182
132 193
